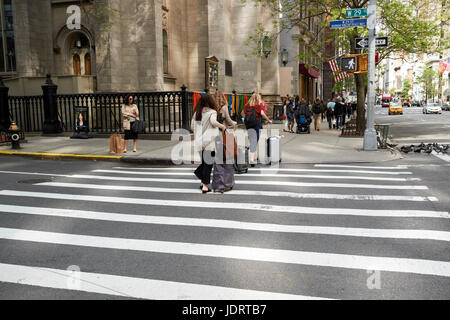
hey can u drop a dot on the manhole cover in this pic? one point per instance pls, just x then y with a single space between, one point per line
34 181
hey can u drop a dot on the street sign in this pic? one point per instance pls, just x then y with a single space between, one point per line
338 24
356 13
363 43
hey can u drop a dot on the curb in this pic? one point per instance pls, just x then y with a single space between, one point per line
60 156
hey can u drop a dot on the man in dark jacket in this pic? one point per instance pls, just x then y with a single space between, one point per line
317 110
339 113
303 109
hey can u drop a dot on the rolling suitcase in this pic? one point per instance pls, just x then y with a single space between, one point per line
223 177
274 150
242 161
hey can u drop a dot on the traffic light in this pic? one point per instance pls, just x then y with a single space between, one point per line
354 63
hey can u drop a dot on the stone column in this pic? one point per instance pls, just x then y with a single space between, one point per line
52 124
4 108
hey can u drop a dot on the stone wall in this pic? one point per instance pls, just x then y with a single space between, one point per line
33 37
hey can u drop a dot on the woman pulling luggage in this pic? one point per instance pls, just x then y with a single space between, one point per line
226 149
206 130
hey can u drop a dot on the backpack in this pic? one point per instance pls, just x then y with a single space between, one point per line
317 109
329 111
250 119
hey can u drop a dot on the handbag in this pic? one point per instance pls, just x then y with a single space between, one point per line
138 126
115 144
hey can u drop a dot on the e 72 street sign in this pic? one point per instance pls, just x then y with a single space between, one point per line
339 24
363 43
356 13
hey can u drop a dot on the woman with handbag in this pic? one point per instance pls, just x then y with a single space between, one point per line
130 114
206 130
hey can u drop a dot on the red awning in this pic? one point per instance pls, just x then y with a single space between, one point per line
309 72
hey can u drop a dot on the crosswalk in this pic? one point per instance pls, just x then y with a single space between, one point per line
311 232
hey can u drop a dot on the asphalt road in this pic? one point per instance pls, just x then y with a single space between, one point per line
415 127
314 232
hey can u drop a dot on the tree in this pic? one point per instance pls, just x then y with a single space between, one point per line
410 25
407 87
428 80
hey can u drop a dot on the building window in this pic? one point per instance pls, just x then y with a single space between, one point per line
228 68
165 52
7 48
76 65
87 64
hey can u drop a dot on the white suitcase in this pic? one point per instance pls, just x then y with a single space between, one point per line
274 150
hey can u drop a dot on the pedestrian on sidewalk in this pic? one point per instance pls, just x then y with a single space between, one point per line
338 113
130 113
206 130
290 110
253 114
330 112
317 110
285 118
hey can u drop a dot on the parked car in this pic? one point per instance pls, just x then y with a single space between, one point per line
415 103
446 106
432 108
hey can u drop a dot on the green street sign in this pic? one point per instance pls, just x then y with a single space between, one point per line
356 13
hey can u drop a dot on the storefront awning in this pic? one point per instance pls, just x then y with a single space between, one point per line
309 72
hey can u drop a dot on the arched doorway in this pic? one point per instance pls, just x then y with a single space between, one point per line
76 65
87 64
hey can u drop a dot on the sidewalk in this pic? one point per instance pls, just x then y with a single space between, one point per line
325 146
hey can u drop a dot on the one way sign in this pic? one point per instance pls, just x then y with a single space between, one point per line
363 43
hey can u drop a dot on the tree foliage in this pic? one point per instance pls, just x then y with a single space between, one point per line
429 81
414 26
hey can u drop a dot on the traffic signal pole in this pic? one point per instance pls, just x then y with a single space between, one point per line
370 135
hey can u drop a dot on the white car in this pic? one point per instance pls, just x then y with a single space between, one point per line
432 108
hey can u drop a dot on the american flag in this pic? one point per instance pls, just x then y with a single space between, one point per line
338 75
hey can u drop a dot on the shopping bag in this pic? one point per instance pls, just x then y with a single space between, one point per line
115 144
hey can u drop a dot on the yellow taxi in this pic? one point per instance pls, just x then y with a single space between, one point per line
395 108
406 102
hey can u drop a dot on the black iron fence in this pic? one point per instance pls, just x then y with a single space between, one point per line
163 112
27 112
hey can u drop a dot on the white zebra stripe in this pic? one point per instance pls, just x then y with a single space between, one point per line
140 173
230 224
346 261
131 287
232 205
329 196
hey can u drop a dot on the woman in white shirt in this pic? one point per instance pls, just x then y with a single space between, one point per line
130 114
206 129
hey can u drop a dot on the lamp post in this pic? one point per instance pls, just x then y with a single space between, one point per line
265 47
284 57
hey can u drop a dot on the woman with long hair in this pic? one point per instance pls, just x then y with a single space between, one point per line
130 114
253 114
206 129
224 114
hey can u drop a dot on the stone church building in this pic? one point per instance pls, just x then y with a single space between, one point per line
149 45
